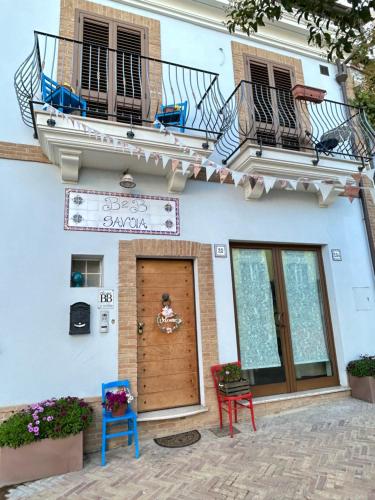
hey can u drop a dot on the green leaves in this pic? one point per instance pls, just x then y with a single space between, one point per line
320 15
364 367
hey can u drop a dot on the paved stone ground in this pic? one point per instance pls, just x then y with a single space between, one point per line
321 452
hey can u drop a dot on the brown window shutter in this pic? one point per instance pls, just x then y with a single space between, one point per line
261 92
95 37
129 64
283 79
285 103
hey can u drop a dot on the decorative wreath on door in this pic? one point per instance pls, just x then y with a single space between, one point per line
167 320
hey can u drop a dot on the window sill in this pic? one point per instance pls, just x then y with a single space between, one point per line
298 395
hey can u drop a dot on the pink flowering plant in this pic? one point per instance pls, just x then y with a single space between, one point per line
114 400
52 418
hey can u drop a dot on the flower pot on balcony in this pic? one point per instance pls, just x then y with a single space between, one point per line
44 458
311 94
120 410
363 388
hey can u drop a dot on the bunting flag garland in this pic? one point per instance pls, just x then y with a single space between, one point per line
325 190
223 174
185 165
147 154
237 177
209 171
269 182
196 169
175 164
165 159
350 182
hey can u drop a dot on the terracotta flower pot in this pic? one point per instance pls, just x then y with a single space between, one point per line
120 410
311 94
44 458
363 388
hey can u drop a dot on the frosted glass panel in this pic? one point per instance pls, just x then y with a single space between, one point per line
304 299
255 310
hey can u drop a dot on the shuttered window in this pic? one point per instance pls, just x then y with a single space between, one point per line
273 104
111 68
261 92
95 56
129 64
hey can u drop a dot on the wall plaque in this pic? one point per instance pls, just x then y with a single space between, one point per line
120 213
106 298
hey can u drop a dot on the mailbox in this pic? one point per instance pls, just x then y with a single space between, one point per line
79 318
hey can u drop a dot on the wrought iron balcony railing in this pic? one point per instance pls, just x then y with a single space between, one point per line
268 116
100 82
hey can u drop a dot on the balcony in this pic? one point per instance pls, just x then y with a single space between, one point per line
119 94
267 130
258 130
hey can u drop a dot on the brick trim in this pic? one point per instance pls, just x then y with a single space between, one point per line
24 152
241 52
68 11
127 339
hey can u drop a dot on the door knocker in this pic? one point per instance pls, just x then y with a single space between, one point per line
167 320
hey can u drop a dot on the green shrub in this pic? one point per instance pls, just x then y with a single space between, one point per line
230 373
363 367
53 418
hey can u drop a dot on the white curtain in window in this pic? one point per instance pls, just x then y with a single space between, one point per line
255 312
301 275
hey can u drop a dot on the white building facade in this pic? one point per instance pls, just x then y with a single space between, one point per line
245 211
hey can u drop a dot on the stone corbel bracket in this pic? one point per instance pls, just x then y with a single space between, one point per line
70 164
176 181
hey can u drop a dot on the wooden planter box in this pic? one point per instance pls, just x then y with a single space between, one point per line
363 388
311 94
234 388
44 458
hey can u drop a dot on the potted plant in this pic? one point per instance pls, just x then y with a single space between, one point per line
362 378
43 440
305 93
117 402
231 382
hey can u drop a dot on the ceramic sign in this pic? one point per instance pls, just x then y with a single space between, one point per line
121 213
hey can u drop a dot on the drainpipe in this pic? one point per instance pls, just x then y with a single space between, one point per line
341 78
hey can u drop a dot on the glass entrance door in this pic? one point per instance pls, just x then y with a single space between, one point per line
283 329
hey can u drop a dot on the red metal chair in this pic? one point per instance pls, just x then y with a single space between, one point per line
240 401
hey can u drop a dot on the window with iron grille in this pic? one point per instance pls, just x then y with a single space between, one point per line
272 105
110 68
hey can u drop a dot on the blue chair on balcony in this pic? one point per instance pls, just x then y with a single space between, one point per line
173 115
130 418
61 97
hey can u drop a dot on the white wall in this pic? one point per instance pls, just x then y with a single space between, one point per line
181 42
39 359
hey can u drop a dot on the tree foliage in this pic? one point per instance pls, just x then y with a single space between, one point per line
365 92
330 25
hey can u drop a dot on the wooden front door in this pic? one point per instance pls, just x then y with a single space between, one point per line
167 362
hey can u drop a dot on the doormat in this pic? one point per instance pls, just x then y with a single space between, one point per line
224 431
179 440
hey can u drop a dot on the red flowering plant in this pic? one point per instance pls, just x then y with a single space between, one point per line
115 400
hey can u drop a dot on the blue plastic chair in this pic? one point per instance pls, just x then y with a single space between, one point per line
175 117
60 97
130 417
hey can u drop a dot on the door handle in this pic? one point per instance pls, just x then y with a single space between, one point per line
140 327
279 320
